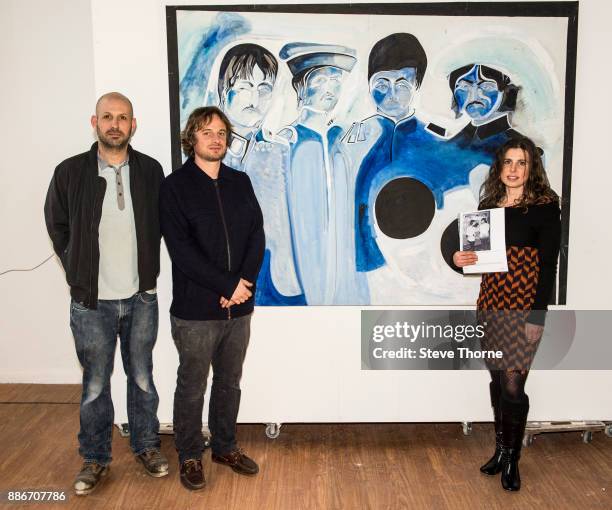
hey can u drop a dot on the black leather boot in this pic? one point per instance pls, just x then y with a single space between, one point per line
514 419
494 464
510 477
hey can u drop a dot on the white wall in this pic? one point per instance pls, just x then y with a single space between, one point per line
47 91
303 364
589 277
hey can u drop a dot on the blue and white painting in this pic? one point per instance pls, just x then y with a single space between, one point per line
365 135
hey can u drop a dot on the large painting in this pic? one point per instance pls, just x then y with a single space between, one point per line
365 130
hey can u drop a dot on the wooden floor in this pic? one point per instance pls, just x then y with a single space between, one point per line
353 466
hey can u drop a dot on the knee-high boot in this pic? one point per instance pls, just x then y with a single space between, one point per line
514 419
494 464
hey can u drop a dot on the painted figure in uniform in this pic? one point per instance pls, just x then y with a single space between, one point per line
487 97
318 71
385 148
247 75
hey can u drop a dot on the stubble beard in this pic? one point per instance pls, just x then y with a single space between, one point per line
208 156
113 145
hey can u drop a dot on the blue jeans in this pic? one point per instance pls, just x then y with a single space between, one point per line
200 344
135 321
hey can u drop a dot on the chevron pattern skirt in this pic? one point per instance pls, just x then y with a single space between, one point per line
504 303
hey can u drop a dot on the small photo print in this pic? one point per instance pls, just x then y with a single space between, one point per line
477 231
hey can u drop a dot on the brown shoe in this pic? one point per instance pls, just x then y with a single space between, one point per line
192 474
238 461
89 478
154 462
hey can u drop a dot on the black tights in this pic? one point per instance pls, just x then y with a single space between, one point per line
510 384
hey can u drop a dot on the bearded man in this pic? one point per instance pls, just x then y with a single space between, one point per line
102 216
213 227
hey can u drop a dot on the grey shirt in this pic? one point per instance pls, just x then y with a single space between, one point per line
118 271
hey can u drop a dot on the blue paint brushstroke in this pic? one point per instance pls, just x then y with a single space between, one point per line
409 150
267 294
225 28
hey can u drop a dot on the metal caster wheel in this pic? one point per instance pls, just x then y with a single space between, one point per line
273 430
467 428
124 430
587 436
528 440
608 430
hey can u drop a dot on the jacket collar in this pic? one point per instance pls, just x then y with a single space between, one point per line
225 172
92 158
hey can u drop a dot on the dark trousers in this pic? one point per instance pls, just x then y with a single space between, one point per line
95 332
222 343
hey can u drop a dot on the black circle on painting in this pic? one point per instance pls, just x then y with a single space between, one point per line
449 244
404 208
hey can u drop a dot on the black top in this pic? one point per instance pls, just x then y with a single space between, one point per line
537 226
213 230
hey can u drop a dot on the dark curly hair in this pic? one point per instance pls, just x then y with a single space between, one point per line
537 189
199 118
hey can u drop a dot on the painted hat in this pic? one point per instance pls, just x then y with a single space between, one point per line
301 56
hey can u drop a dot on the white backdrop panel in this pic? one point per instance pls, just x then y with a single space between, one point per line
302 364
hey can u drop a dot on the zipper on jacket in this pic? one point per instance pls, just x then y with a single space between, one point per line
91 243
227 243
91 228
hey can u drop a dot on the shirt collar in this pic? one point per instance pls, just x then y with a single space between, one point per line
103 164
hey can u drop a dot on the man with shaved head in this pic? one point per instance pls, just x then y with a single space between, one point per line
101 213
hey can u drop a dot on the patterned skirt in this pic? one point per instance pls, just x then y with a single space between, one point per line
503 305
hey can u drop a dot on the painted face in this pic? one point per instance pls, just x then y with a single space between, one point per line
113 123
515 169
248 100
211 140
393 91
322 88
479 97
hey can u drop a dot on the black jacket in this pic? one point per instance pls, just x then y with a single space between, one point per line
214 233
73 209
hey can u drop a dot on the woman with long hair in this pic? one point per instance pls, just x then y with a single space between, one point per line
511 305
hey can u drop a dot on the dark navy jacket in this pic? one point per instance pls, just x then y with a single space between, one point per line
214 233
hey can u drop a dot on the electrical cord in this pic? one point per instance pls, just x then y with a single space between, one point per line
31 269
